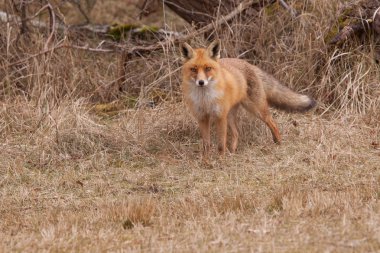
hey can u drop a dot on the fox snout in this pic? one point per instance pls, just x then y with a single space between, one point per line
201 78
201 82
204 82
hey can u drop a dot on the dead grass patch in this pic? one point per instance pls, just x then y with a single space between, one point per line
131 212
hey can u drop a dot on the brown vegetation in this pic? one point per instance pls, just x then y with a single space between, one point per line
85 168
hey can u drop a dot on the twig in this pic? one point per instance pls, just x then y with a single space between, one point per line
141 49
143 9
96 29
292 11
52 26
6 17
375 13
347 32
241 7
45 51
376 20
176 40
87 48
79 6
38 12
187 11
24 27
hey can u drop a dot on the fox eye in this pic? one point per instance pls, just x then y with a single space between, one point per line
194 70
207 69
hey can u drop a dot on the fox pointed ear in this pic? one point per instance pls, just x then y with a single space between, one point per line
214 49
187 51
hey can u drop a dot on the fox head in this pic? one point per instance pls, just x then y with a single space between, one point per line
201 67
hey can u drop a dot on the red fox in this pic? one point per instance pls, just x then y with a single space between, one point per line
215 88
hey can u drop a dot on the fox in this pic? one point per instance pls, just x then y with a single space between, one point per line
215 88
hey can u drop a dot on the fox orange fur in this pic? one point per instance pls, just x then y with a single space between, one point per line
215 88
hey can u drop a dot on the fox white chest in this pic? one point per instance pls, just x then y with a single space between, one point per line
205 101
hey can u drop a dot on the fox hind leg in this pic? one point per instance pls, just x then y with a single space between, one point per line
267 118
261 110
232 120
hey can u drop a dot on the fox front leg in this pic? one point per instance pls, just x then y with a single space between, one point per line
221 125
204 125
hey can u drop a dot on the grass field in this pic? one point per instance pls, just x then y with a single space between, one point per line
82 173
318 191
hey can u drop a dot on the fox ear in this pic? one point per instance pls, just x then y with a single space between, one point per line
187 51
214 49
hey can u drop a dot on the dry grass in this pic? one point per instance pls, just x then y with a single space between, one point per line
79 174
101 189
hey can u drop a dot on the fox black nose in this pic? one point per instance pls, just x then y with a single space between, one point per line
201 82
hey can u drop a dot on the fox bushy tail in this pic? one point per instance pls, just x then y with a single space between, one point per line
281 97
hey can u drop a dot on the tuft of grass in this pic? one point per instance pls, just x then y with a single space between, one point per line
132 212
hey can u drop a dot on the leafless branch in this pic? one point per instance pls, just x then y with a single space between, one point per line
52 26
83 12
61 46
240 8
292 11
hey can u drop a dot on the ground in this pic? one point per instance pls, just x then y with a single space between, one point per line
318 191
